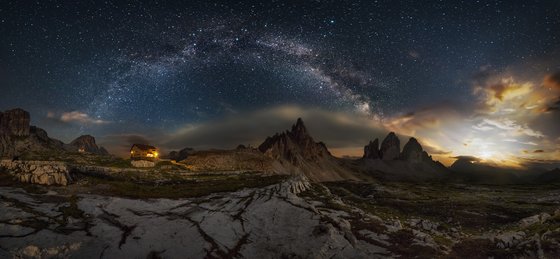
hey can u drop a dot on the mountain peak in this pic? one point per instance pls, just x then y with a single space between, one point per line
413 151
299 128
86 143
295 145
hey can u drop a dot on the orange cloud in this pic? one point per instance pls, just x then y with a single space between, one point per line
506 94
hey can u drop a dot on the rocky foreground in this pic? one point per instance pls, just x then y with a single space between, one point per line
290 219
253 223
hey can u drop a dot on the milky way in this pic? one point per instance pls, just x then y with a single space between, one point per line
143 66
304 73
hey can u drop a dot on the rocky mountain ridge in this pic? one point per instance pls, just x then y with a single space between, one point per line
299 152
18 137
86 143
390 150
388 162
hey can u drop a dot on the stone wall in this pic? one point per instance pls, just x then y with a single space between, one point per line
142 163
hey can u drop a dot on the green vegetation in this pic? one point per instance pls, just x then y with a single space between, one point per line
77 158
109 161
175 186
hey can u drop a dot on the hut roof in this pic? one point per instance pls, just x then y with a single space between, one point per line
143 147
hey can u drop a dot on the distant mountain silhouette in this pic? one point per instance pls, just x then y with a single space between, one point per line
388 162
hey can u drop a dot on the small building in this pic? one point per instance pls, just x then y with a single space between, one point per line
143 152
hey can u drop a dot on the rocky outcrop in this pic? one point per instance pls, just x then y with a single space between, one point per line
413 152
17 137
390 147
15 122
371 150
142 163
86 143
38 172
295 146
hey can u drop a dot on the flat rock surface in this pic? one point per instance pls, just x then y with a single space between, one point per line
252 223
291 219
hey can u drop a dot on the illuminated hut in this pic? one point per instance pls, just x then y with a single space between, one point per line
143 152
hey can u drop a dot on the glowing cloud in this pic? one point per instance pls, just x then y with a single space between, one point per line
76 117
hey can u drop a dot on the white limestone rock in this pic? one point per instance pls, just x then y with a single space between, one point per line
142 163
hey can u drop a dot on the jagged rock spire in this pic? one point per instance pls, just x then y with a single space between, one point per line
299 128
390 147
371 150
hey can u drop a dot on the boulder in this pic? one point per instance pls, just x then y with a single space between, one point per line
539 218
371 150
390 147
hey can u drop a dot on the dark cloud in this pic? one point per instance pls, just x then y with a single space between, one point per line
467 158
553 81
499 90
555 106
423 118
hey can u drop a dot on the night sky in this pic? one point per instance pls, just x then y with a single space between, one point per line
468 78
